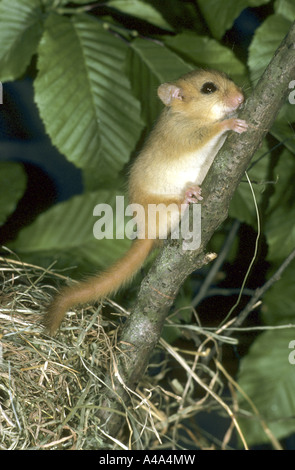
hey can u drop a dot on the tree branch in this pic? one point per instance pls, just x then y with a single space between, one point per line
159 288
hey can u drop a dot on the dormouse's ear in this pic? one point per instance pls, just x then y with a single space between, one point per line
167 93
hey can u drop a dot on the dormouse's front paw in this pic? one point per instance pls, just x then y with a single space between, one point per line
192 194
237 125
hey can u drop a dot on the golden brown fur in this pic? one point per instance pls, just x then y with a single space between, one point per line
97 287
169 169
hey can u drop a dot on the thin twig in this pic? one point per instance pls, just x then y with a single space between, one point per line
205 387
261 290
217 264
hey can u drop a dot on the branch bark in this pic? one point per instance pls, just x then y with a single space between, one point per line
159 288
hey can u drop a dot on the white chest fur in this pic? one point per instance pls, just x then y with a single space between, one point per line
189 168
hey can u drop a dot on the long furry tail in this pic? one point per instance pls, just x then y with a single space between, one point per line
99 286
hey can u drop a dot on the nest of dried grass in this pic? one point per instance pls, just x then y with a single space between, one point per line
49 388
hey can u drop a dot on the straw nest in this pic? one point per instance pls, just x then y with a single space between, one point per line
50 387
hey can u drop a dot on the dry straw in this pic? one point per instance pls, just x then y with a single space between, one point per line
50 388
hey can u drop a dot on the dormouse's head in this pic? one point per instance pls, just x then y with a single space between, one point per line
205 94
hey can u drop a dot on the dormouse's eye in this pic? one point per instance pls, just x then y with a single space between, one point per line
208 87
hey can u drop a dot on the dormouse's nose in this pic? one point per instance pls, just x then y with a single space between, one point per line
235 100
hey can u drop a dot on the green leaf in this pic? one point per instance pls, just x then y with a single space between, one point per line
21 26
12 187
279 301
148 64
140 10
285 8
266 40
268 378
282 129
221 15
79 2
83 96
279 227
284 191
203 51
64 234
242 206
56 4
280 233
